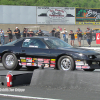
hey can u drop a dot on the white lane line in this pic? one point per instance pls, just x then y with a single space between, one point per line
27 97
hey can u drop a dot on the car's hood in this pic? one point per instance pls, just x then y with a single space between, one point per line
81 50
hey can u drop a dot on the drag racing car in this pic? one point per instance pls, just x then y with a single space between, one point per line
48 52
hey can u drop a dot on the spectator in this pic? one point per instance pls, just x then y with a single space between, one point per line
57 34
65 35
17 33
24 32
79 36
89 36
72 37
9 34
2 37
40 33
30 33
53 31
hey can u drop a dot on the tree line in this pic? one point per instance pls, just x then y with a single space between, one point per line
54 3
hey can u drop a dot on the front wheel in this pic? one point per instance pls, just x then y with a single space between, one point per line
10 61
66 63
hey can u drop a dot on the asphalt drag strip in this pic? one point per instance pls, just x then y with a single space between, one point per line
55 85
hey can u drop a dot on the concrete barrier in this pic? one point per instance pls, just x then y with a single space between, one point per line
66 79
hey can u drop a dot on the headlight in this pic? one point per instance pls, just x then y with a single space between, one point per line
91 56
80 55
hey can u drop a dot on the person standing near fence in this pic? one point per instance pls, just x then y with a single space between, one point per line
72 37
65 35
24 32
89 36
2 37
79 36
17 33
53 31
10 34
40 33
57 34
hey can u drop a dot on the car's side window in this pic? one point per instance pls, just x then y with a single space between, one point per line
33 43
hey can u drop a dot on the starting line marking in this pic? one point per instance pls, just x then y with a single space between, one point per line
26 97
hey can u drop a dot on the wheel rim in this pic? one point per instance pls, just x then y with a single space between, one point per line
9 60
66 64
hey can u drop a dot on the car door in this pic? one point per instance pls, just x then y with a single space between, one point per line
34 48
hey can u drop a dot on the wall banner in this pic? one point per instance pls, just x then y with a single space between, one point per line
55 15
87 16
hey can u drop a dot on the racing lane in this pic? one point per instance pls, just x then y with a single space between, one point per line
38 93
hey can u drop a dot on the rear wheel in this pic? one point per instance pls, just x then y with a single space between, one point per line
66 63
10 61
89 70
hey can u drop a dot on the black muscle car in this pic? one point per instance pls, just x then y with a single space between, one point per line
47 52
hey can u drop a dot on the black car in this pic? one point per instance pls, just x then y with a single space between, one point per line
47 52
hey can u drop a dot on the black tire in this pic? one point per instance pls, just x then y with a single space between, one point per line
89 70
14 65
71 65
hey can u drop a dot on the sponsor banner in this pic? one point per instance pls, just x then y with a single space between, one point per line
52 65
46 60
87 16
52 62
23 60
23 64
28 59
97 38
29 64
55 15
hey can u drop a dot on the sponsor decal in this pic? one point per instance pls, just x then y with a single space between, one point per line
33 61
52 65
79 62
39 64
46 65
20 64
40 59
29 64
53 59
34 58
34 64
23 60
46 60
19 60
27 40
52 62
78 67
85 67
28 59
24 64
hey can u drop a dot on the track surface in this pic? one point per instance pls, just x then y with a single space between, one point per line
54 93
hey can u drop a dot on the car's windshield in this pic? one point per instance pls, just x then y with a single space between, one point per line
56 43
10 43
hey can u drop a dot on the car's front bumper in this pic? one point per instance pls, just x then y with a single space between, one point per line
87 64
